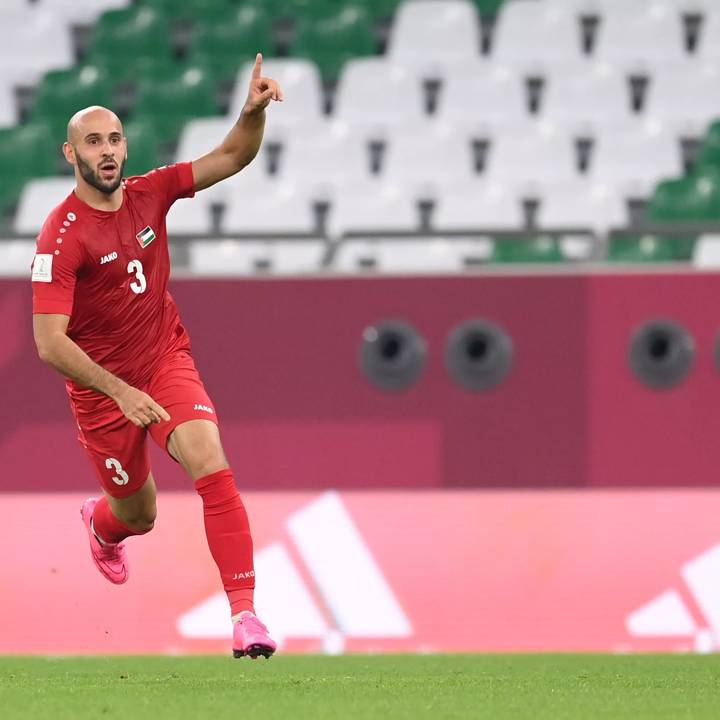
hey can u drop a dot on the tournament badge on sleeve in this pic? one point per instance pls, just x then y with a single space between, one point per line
146 236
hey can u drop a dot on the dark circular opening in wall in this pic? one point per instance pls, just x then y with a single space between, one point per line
392 354
661 353
478 354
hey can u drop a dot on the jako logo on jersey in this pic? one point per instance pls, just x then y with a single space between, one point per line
145 236
244 575
108 258
204 407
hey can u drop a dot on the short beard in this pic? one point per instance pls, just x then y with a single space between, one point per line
91 177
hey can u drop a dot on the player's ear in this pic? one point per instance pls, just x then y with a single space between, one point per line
69 153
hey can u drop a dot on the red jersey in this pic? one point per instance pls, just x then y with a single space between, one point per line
109 272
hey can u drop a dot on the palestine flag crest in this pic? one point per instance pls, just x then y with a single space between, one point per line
146 236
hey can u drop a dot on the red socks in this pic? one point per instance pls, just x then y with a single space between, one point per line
228 535
107 526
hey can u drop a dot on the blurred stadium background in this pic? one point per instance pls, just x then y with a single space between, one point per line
458 317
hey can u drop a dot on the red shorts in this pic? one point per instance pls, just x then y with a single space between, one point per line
118 449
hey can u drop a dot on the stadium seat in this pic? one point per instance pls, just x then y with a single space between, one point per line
706 252
38 198
709 152
633 161
481 98
249 257
48 37
529 161
269 207
708 48
190 216
582 205
424 162
169 104
8 105
81 12
143 142
374 97
535 37
684 97
26 151
477 206
128 42
410 255
372 208
640 37
332 41
540 249
585 100
381 9
302 87
325 163
223 42
195 10
692 198
428 35
16 257
649 249
61 93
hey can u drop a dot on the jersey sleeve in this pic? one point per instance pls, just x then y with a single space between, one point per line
173 182
54 272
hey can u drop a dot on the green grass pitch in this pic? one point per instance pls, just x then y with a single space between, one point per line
576 687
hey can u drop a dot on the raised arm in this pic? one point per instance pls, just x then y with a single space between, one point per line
243 141
57 349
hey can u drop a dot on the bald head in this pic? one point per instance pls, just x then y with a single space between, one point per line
93 119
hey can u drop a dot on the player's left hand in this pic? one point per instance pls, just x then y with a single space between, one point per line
262 90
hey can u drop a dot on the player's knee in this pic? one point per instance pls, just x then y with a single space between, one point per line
143 520
208 458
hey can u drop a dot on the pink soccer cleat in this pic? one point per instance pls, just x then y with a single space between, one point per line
250 637
110 560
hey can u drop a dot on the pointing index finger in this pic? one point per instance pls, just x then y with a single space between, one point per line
257 68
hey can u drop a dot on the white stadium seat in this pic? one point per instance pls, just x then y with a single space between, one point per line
32 43
189 216
709 42
8 105
324 164
685 98
37 199
423 162
250 257
16 257
634 162
582 204
640 37
480 96
371 208
302 89
374 96
269 206
528 161
82 11
586 99
477 205
410 255
535 36
428 35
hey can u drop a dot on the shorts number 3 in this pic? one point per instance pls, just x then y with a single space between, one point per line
115 465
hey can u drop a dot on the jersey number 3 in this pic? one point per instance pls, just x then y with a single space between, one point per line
135 266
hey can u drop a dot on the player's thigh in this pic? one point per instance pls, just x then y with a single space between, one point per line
118 452
196 445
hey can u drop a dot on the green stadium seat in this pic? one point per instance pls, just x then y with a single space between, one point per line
126 42
26 152
488 8
709 152
332 41
649 249
169 104
688 199
61 93
143 143
381 9
542 249
222 43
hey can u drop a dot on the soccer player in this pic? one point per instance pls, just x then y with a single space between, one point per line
103 317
